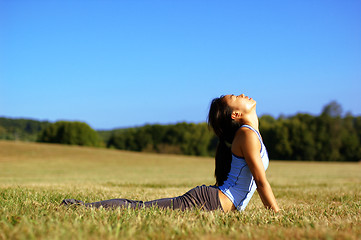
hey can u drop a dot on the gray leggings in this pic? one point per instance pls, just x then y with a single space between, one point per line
202 197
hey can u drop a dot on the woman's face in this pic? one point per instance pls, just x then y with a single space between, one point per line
241 103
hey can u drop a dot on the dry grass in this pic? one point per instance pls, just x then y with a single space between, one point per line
319 200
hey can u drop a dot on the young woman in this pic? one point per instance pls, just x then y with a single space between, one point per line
240 164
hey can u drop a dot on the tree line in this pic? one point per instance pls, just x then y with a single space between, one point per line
180 138
327 137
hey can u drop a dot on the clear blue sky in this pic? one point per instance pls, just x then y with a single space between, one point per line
127 63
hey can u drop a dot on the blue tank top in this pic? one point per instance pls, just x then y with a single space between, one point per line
240 185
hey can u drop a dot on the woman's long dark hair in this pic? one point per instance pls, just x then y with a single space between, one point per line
219 119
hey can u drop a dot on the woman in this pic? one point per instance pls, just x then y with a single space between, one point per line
241 160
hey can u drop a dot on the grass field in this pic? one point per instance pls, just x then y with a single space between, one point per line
319 200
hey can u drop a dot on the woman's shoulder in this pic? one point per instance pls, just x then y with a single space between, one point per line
245 131
245 136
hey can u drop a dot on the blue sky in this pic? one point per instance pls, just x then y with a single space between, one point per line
127 63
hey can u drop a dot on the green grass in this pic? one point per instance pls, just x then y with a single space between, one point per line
319 200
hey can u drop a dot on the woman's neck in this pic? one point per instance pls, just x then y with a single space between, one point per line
252 120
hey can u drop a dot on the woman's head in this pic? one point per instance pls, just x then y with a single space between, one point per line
227 113
241 105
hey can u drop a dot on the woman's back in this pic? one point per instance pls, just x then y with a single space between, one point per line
240 185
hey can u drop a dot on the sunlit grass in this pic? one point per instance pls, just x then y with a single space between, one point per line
319 200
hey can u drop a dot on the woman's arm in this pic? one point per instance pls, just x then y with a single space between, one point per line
250 147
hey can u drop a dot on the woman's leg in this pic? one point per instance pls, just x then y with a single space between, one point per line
127 203
172 203
202 197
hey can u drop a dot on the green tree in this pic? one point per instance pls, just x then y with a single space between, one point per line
72 133
328 137
21 129
2 133
301 128
350 143
196 139
181 138
333 109
275 135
